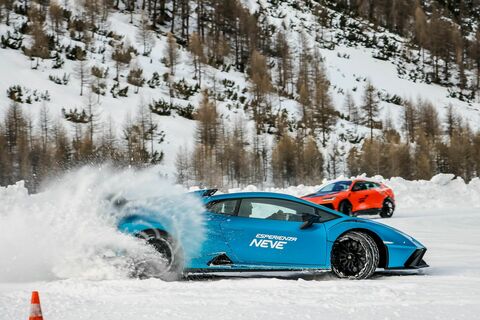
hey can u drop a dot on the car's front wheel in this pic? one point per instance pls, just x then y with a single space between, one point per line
387 209
165 261
354 256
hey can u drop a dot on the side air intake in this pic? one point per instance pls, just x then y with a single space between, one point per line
220 260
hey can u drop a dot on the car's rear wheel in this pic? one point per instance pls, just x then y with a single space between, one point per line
165 262
345 207
387 209
354 256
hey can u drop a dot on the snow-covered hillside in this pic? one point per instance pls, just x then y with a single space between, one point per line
76 282
349 65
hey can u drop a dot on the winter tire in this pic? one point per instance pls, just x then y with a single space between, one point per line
387 209
167 264
354 256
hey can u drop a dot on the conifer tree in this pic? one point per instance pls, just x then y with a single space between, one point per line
108 149
476 58
409 121
45 126
323 113
284 167
98 85
145 36
62 148
55 13
183 166
171 52
8 5
262 85
122 55
92 10
423 160
135 78
39 48
208 138
284 62
196 47
82 70
370 108
312 163
207 117
305 103
421 28
428 120
351 108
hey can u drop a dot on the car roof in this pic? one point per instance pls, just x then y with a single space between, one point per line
352 180
238 195
272 195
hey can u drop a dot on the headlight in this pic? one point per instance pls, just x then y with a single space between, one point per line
329 199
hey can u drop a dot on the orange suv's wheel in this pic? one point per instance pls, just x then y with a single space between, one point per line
387 209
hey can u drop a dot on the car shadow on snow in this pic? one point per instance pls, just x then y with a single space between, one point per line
399 273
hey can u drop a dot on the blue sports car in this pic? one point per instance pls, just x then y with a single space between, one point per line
257 231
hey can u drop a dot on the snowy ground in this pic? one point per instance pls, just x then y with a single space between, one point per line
449 289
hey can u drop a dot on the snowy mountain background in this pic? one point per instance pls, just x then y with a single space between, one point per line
349 64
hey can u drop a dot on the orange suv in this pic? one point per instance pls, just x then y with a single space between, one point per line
354 197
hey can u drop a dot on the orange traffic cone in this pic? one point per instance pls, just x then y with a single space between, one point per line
35 310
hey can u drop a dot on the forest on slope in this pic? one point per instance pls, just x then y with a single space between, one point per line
252 76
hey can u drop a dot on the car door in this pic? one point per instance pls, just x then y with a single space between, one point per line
215 243
359 196
376 195
266 233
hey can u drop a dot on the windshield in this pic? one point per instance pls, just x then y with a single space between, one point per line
336 186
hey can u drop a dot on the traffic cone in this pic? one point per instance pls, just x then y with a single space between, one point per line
35 310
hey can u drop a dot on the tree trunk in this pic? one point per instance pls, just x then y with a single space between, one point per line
154 16
174 12
162 12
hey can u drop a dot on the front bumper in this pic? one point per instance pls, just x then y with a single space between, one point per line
415 261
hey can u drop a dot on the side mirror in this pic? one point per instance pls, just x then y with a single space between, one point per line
310 220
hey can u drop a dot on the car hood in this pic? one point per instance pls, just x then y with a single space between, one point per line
395 233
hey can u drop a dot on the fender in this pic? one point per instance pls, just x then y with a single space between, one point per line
134 224
390 199
398 246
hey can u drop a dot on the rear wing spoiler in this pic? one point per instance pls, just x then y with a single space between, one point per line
205 193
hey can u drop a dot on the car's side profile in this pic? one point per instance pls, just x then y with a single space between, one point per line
356 197
270 231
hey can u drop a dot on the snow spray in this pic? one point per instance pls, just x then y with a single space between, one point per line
69 230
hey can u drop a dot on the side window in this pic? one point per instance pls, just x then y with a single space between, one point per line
274 209
325 216
359 186
372 185
223 206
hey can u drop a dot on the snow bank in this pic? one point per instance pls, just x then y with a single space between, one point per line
442 191
69 230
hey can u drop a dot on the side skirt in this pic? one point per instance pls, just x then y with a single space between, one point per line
368 212
244 270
